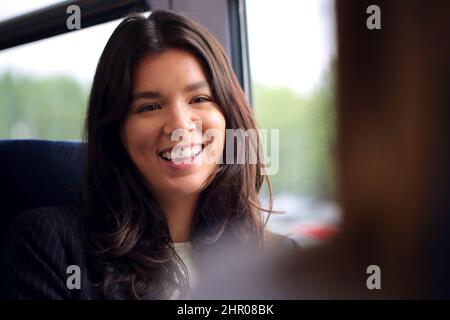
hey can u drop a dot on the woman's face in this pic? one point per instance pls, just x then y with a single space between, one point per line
171 96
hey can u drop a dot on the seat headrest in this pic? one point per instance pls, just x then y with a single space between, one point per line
36 173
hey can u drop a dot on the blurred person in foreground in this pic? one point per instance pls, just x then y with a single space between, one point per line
392 160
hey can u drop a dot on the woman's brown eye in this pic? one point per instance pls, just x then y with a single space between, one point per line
201 99
148 107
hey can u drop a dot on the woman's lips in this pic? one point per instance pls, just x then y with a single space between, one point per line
179 152
178 146
182 163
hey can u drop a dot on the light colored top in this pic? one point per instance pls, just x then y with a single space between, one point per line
184 250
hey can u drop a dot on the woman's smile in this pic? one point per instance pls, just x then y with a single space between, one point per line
182 157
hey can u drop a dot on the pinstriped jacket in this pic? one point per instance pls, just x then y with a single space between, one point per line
40 246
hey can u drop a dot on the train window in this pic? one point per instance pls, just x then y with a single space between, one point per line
292 58
45 84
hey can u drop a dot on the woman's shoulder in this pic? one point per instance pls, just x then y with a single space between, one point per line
56 215
61 222
38 249
278 242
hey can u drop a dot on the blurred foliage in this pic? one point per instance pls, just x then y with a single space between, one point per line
54 108
307 130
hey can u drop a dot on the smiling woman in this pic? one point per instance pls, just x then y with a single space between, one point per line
147 220
175 99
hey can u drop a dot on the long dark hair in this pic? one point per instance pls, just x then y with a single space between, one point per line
129 244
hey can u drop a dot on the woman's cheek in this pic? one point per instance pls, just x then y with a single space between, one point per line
215 136
139 140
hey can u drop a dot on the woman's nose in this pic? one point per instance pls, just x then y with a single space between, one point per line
178 117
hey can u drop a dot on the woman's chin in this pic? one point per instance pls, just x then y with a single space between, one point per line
184 186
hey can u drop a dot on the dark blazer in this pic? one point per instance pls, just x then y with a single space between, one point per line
39 247
42 243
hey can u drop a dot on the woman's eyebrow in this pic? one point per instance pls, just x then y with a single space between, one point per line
197 85
146 95
155 94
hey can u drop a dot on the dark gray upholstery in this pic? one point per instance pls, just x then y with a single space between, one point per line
37 173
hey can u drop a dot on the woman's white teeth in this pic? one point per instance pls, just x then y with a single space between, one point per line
182 152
